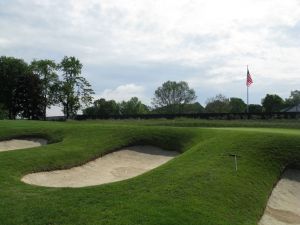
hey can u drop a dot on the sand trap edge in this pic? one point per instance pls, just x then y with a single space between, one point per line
22 142
283 205
118 165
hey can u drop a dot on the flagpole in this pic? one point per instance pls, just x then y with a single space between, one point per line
247 99
247 92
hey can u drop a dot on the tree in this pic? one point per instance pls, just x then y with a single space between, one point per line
237 105
75 91
133 107
10 71
193 108
293 100
3 112
272 103
102 108
173 94
185 108
105 108
46 70
255 108
218 104
29 99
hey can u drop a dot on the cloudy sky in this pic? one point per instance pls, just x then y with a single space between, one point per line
130 47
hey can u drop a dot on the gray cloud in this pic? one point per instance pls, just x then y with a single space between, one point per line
146 42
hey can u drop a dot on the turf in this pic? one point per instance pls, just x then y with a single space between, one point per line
200 186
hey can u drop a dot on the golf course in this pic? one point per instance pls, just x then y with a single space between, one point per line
183 172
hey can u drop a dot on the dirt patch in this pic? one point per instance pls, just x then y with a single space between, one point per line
120 165
284 204
15 144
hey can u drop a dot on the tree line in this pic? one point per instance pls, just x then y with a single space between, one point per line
270 103
178 98
27 90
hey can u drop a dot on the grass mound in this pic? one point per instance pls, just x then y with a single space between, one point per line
199 186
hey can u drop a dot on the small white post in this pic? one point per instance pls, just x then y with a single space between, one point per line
235 159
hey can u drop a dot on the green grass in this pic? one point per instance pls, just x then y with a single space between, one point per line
200 186
187 122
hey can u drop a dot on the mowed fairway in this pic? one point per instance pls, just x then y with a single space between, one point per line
199 186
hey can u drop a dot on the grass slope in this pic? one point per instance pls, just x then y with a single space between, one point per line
198 187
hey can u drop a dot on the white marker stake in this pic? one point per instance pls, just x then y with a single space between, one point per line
235 159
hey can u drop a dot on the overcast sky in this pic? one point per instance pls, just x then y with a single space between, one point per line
130 47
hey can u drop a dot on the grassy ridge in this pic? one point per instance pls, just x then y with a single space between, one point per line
187 122
198 187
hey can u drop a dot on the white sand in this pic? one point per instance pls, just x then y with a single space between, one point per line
15 144
120 165
283 207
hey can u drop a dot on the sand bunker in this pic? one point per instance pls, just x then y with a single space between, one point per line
284 204
15 144
120 165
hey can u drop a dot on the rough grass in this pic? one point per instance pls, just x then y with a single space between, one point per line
200 186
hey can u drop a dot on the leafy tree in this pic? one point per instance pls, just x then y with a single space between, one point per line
218 104
184 108
193 108
29 99
3 112
46 70
133 107
103 108
237 105
75 91
272 103
173 94
110 107
293 100
10 71
254 108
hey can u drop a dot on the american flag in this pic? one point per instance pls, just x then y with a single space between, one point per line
249 78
